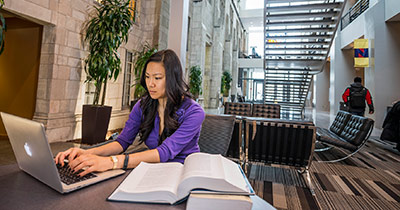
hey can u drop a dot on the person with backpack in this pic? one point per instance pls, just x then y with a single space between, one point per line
355 96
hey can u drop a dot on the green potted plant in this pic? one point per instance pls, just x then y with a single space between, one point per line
105 32
226 80
140 58
195 80
2 28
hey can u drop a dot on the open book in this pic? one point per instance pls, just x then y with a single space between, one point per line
173 182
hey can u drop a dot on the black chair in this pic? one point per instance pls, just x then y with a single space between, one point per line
347 132
216 134
266 110
235 150
240 109
282 142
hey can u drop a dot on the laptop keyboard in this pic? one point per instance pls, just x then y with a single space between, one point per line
69 177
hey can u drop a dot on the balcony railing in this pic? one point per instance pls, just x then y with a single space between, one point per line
355 11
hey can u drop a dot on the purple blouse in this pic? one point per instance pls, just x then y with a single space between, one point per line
175 148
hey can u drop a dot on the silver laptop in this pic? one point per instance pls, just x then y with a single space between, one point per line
32 151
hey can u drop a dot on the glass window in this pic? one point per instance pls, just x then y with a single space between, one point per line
126 92
254 4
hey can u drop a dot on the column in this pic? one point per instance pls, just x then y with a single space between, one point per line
178 24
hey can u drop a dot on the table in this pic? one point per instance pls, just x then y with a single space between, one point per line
19 190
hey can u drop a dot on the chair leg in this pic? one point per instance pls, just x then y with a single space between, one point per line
245 166
246 160
349 155
343 158
337 160
325 148
306 175
322 149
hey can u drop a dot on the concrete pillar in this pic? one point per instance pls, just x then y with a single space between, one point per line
341 75
321 88
178 24
235 71
160 36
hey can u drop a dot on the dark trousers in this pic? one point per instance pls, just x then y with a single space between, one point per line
359 113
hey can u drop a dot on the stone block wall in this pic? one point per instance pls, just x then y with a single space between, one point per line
61 87
208 28
163 23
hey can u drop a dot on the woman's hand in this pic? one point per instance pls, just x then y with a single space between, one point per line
71 153
90 163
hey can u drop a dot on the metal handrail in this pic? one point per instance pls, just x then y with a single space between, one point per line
356 10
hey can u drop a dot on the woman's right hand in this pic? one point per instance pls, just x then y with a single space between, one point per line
71 153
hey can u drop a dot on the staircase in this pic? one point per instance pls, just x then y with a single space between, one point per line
298 37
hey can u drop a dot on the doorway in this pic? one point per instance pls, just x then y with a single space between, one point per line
258 90
19 68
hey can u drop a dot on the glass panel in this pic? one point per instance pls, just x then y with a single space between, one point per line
126 92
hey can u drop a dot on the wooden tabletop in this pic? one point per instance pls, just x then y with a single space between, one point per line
19 190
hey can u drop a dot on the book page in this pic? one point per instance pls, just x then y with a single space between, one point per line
236 179
202 164
150 177
209 172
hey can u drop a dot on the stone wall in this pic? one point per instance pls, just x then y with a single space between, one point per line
61 87
162 34
213 45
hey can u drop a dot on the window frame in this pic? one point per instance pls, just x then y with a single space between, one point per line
127 82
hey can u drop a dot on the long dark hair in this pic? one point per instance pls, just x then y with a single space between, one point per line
176 91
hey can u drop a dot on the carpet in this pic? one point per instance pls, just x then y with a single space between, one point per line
368 180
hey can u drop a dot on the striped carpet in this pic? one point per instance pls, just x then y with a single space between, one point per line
368 180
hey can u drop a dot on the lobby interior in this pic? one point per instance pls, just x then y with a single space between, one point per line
42 78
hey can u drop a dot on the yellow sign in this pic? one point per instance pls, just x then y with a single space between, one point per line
360 43
361 62
361 54
132 5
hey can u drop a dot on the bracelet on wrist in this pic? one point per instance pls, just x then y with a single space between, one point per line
126 160
114 160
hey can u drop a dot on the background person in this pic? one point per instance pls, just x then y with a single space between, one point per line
166 119
355 96
391 125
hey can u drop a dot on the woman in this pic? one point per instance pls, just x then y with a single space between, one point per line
166 119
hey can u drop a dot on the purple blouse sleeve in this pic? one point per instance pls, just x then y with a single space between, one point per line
186 134
131 128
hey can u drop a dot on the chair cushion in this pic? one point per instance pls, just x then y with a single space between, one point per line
356 129
327 136
241 109
340 121
216 134
266 110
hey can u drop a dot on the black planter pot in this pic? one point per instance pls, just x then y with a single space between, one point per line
233 98
133 102
95 121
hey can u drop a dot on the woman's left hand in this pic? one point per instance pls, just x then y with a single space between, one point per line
91 163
